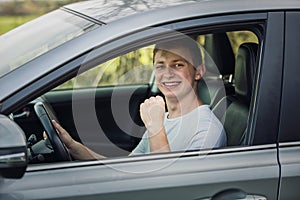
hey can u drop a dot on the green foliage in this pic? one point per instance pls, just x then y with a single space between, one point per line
31 7
8 23
238 37
132 68
16 13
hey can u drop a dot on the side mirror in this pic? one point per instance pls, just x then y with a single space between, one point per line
13 151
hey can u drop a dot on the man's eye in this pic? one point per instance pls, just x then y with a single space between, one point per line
158 67
179 65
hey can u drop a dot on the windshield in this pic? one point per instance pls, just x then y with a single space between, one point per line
39 36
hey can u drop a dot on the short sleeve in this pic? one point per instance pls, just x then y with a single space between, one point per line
141 148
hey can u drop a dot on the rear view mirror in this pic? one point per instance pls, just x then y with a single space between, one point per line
13 151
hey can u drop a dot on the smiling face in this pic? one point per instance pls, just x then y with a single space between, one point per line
175 76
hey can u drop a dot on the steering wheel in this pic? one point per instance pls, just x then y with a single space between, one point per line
60 151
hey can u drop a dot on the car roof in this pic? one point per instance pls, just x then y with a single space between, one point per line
104 11
107 11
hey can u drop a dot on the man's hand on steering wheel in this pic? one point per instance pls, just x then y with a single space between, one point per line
63 135
60 151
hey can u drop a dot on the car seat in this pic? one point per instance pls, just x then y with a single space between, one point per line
233 110
219 61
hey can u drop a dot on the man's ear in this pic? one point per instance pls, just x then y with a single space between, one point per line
200 71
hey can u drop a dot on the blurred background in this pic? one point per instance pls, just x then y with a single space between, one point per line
13 13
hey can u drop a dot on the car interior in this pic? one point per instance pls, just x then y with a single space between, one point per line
229 90
226 87
236 112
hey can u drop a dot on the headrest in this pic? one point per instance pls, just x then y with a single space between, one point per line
219 57
244 70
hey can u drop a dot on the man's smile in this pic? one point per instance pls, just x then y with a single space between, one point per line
170 83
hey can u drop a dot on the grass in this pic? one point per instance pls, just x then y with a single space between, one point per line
8 23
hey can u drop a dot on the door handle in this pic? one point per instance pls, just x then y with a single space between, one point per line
24 114
233 194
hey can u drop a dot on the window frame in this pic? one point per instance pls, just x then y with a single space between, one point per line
250 22
114 48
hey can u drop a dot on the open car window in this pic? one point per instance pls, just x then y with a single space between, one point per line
100 106
132 68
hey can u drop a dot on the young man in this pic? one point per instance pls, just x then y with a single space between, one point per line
188 124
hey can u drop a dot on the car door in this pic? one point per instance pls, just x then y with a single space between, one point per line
234 172
289 134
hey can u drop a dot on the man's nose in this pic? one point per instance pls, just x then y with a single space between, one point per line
169 71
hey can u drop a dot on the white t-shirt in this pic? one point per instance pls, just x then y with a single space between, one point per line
199 129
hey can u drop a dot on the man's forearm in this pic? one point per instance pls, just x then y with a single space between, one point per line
81 152
159 142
